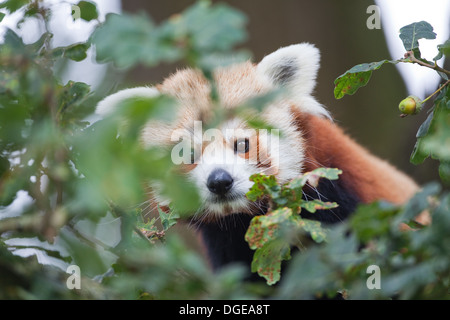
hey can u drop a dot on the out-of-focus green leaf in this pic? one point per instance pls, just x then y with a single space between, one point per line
203 35
88 10
12 40
4 165
206 23
444 172
444 50
167 219
432 130
437 142
315 229
137 40
14 5
75 52
419 203
73 93
366 226
88 258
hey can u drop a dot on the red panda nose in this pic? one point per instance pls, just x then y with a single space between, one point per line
219 182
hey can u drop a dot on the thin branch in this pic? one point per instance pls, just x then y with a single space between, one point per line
25 223
440 88
409 57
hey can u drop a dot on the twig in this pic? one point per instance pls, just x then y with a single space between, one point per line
26 223
409 57
440 88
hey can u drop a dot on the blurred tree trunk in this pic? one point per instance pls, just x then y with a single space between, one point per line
338 29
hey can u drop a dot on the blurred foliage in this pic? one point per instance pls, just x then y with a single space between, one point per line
87 181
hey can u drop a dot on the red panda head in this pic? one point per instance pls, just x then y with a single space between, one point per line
220 160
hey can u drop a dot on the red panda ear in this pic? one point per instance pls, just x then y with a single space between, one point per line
110 103
294 68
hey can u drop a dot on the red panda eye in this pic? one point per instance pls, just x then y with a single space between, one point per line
241 146
194 155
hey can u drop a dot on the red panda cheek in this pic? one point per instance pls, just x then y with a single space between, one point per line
185 168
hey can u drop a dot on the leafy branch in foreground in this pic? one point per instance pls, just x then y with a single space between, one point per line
273 234
84 180
432 136
414 264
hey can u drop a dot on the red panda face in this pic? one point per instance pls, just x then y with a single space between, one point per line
220 160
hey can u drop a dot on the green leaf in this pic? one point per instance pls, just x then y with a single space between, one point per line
14 5
136 41
356 77
266 228
444 172
214 27
313 177
271 235
373 220
424 127
4 166
167 219
411 34
13 40
262 186
203 34
419 202
90 259
417 155
73 93
264 236
444 50
88 10
437 142
431 136
314 205
314 228
75 52
267 260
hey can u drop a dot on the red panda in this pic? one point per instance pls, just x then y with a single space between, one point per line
221 166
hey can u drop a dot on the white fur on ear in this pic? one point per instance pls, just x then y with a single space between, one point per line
110 103
295 68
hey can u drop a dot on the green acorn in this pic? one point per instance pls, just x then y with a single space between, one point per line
410 105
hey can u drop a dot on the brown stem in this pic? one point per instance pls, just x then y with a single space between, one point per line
409 57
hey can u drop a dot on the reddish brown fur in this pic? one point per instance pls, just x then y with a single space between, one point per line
370 177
